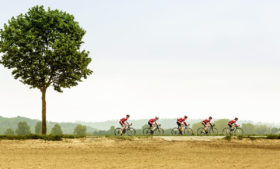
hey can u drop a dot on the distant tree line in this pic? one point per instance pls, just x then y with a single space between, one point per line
36 125
24 129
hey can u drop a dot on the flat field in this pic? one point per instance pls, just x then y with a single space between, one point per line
140 153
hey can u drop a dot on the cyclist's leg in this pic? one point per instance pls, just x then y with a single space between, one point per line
230 127
206 128
179 127
122 125
151 127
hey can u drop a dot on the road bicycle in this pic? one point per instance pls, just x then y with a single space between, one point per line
156 131
129 131
186 130
236 131
211 131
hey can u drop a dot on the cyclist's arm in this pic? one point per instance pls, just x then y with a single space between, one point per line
211 124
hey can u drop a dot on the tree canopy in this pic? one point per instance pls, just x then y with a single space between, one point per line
80 130
23 128
56 130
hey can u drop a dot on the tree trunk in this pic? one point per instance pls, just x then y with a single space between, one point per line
44 112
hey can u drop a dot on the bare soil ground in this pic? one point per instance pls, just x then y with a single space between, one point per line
140 153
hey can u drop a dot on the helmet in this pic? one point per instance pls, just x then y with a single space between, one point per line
235 118
157 117
210 117
127 115
186 116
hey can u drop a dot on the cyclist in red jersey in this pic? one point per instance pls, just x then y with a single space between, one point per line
124 123
205 123
232 123
152 123
181 122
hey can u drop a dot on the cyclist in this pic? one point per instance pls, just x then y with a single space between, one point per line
181 122
232 124
152 123
124 123
205 124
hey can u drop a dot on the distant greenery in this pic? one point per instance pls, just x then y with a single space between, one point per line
271 136
56 130
9 132
23 129
80 130
35 136
11 123
38 128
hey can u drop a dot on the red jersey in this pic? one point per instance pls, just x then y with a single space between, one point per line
182 120
151 121
232 122
207 121
123 120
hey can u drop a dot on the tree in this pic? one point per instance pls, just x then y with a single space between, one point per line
42 47
249 128
80 130
38 128
23 128
111 130
56 130
9 132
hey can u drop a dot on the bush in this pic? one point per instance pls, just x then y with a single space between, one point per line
240 137
9 132
273 136
56 130
35 137
23 128
228 138
80 130
252 138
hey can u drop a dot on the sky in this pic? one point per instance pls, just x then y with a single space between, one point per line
163 58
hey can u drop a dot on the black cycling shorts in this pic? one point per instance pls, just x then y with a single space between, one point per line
151 125
179 124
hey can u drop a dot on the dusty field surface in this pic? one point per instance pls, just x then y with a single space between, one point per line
140 153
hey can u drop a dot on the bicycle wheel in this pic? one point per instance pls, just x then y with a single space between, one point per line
175 131
118 132
201 132
159 132
131 132
188 132
226 131
238 132
213 132
147 132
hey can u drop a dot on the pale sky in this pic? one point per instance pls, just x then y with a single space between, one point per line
162 57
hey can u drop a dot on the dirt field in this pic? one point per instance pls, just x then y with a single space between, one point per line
141 153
